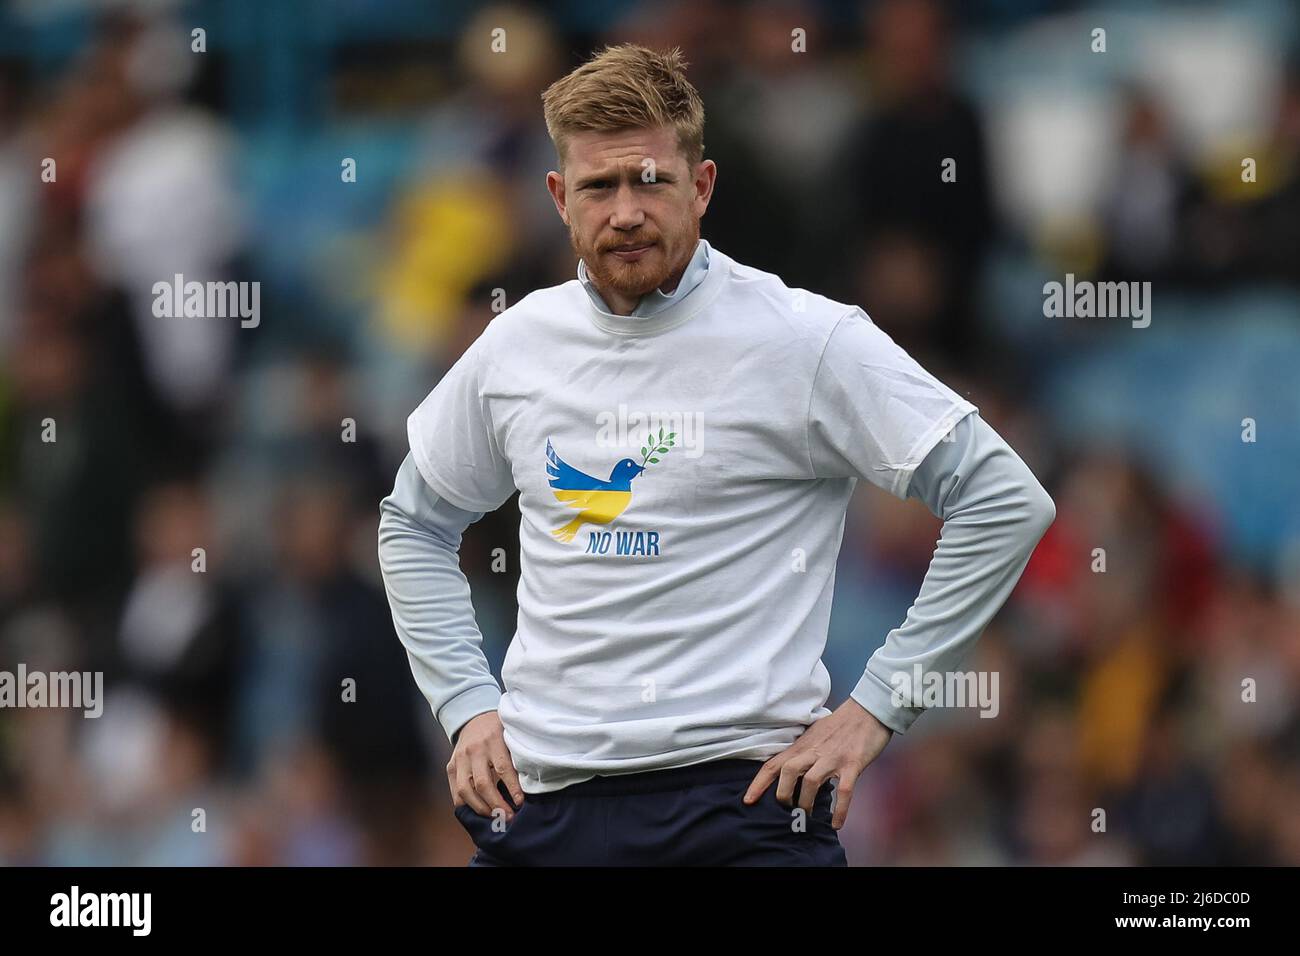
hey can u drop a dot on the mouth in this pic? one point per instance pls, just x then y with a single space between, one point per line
631 252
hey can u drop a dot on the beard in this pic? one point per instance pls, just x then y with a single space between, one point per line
652 270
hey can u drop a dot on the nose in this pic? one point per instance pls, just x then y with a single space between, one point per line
627 212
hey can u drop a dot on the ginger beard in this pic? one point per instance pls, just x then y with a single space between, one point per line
667 256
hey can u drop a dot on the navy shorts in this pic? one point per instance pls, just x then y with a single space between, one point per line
684 816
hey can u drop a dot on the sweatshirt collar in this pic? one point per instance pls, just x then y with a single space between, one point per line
655 301
699 286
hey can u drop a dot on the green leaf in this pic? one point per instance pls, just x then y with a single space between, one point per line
661 451
672 434
649 440
643 452
654 461
661 434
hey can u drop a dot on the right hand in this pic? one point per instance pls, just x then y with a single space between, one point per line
479 760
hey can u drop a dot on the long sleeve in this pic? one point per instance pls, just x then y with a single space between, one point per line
994 512
419 546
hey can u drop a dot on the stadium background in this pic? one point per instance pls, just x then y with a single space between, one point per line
1120 690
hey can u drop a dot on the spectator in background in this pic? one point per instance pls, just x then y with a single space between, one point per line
317 624
179 636
1277 217
1141 214
160 201
473 210
1170 814
17 195
1238 230
70 455
923 239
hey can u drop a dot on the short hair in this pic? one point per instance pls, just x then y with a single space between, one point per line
626 87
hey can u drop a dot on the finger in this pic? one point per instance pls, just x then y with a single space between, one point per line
763 779
843 794
811 785
465 786
485 785
791 771
451 782
505 768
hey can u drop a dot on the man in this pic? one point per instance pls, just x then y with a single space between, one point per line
685 433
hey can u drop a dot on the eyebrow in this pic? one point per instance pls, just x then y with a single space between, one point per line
594 178
614 175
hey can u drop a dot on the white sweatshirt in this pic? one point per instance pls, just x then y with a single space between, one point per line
683 481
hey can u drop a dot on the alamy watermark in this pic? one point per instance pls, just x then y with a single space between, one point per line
628 429
208 300
133 911
77 690
1085 299
922 688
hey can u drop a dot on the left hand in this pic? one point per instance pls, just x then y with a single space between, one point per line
841 744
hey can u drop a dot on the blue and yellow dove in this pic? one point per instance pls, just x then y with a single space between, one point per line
599 501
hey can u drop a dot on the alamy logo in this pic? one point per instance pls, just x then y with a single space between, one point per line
1104 300
623 429
927 689
75 908
208 300
77 690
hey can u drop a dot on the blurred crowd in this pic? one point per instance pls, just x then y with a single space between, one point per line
1148 710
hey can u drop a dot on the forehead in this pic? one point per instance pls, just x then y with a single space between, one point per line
590 150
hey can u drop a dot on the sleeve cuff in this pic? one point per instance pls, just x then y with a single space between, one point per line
877 698
466 705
